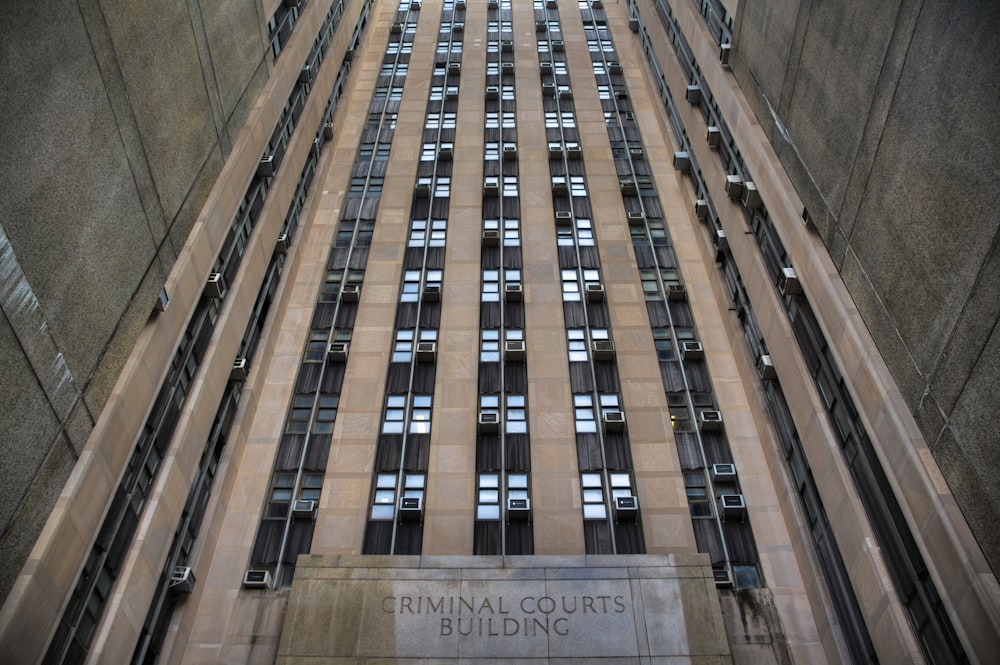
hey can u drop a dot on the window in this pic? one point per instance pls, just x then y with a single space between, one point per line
516 414
326 413
697 494
488 497
298 419
680 417
428 233
583 408
283 492
489 348
402 350
577 343
664 344
592 488
384 499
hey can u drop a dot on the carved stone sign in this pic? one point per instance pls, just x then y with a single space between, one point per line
464 607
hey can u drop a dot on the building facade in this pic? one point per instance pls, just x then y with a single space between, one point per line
499 330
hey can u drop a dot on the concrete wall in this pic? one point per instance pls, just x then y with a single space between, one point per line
117 120
884 116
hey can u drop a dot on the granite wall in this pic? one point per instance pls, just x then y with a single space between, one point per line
884 115
117 118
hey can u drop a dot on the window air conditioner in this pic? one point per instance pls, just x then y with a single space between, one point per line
724 51
682 162
489 422
614 67
507 45
518 510
596 4
627 186
541 26
548 89
509 150
411 509
692 351
555 150
626 508
422 190
633 24
602 349
432 293
492 92
560 188
454 68
551 4
732 505
636 153
182 580
701 209
350 292
282 244
788 282
304 509
445 153
451 92
724 472
513 292
337 353
676 292
460 5
215 287
414 4
256 579
349 55
721 241
613 421
710 421
305 75
557 45
574 151
751 197
734 186
595 292
513 350
396 28
240 370
722 578
693 94
162 301
714 136
507 67
491 237
636 217
266 167
426 352
328 131
491 188
458 27
765 368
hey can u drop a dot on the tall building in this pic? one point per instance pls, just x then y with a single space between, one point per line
451 330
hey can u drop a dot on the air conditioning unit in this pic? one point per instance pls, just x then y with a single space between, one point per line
595 292
560 187
724 472
724 51
514 350
509 150
602 349
574 151
422 190
215 287
701 209
551 4
548 89
491 237
350 292
328 131
349 54
426 352
751 197
676 292
240 371
765 368
541 26
396 28
182 580
557 45
460 5
337 352
682 162
788 282
710 421
614 67
613 421
636 217
513 292
458 27
714 136
692 351
454 68
317 147
596 4
636 153
721 241
693 94
492 92
633 24
266 168
162 301
734 186
545 67
492 4
411 509
621 93
627 185
564 92
506 67
626 508
432 293
732 505
305 75
282 244
555 150
451 92
445 153
518 510
491 188
304 509
507 45
489 422
256 579
414 4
